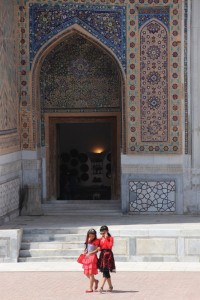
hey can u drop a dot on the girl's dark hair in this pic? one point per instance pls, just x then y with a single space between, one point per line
105 228
90 231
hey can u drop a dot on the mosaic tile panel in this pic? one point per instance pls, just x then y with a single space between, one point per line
8 79
89 80
154 82
152 196
107 23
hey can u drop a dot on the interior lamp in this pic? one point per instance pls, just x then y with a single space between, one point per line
98 150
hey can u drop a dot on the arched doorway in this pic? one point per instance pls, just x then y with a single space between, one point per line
81 84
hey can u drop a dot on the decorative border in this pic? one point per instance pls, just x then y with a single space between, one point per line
186 76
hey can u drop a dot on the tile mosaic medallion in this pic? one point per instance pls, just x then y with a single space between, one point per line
9 139
144 35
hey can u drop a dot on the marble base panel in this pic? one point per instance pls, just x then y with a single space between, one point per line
10 242
158 245
152 194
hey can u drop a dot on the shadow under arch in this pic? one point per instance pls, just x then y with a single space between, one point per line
35 76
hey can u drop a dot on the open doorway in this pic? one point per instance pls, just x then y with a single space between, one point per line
85 160
84 165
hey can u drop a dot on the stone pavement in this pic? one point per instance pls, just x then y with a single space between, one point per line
114 222
127 285
136 281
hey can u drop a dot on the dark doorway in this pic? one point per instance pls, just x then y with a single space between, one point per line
85 160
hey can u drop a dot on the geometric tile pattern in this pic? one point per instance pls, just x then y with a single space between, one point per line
162 132
9 196
152 196
105 22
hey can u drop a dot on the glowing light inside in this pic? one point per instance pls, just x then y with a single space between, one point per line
97 150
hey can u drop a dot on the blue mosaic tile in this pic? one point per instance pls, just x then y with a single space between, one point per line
105 22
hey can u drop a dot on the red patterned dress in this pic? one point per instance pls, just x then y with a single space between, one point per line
90 262
106 260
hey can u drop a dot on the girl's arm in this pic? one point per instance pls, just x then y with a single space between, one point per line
92 252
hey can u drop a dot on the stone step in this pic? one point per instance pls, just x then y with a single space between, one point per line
62 258
52 245
82 203
47 259
70 230
51 212
52 237
82 207
49 252
85 202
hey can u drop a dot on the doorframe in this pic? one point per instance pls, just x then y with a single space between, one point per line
51 146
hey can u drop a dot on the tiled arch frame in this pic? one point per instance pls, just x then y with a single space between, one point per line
35 74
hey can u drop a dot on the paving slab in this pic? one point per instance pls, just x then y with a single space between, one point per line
72 285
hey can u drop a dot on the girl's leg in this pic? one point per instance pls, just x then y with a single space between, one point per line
102 284
110 284
103 281
91 281
96 282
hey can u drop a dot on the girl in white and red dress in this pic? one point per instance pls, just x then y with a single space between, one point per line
106 262
90 260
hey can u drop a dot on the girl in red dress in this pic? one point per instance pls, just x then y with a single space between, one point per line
106 262
90 260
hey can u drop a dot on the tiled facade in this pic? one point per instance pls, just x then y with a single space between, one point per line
133 31
145 43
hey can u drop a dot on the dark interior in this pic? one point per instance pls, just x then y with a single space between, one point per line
84 166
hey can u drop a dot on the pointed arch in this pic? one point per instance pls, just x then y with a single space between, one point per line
35 75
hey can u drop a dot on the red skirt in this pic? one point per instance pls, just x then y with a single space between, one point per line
106 261
90 265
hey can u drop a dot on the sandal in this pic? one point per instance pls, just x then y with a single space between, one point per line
89 291
101 290
110 289
96 285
